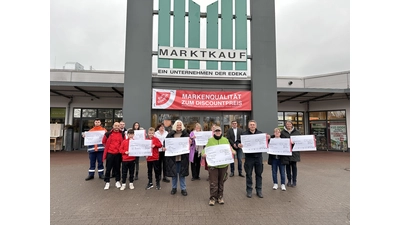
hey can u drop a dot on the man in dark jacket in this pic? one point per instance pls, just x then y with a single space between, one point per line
253 160
233 136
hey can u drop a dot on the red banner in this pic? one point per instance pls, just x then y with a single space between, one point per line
202 100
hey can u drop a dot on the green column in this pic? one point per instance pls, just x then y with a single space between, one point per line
179 30
194 32
164 21
226 30
241 31
212 32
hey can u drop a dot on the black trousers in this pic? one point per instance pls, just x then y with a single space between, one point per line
153 165
128 166
255 163
195 165
113 161
161 163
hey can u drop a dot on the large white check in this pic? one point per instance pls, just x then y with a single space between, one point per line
280 146
202 137
176 146
304 143
219 155
140 147
254 143
93 137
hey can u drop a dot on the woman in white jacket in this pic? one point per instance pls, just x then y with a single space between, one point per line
161 133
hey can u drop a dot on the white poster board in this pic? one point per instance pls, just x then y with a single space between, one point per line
202 137
140 135
254 143
140 147
304 143
93 137
219 155
280 146
176 146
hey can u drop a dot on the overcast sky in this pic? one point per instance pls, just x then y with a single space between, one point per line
312 36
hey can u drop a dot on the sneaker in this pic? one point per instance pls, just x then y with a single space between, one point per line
118 184
275 186
123 187
211 202
149 186
166 180
173 191
131 186
283 187
294 184
107 186
289 184
158 187
89 178
221 201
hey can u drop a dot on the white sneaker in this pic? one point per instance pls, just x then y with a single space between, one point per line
118 184
131 186
283 187
107 186
123 187
275 186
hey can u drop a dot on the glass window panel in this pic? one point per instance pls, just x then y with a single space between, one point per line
108 124
317 116
105 113
280 115
335 115
118 113
300 116
291 116
88 112
77 113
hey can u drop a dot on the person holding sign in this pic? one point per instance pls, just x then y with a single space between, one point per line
152 161
128 162
278 162
233 136
177 166
253 161
161 134
112 141
136 126
217 174
96 153
291 168
194 154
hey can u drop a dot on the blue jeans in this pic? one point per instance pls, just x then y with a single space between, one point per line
276 163
182 180
239 155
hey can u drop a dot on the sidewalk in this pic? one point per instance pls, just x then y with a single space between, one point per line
322 196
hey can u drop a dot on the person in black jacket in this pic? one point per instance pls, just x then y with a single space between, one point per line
177 167
278 162
291 168
233 136
253 160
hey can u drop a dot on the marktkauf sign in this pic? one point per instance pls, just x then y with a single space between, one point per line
201 100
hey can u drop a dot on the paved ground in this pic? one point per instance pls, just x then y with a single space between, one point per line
322 196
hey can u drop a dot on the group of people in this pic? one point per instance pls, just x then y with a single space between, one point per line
115 146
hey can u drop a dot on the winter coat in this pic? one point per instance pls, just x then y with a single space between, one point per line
125 148
157 144
212 142
170 163
112 141
286 134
